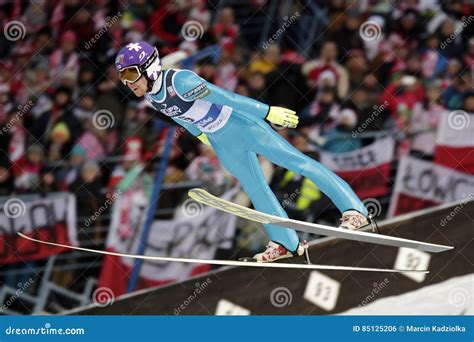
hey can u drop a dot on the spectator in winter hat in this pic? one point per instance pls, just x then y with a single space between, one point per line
356 65
93 141
134 125
367 110
60 133
267 61
47 181
410 27
327 61
166 23
373 87
87 77
85 109
453 96
225 29
348 36
433 62
43 121
35 16
322 111
451 43
27 169
424 122
39 79
336 139
87 189
64 58
257 85
43 45
59 137
75 162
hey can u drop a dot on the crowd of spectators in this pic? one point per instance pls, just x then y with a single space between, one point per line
417 64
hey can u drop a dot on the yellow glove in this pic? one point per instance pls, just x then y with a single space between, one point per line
204 139
282 116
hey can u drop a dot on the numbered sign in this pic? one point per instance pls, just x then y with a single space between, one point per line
322 291
226 308
412 259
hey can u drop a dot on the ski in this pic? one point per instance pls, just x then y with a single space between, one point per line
204 197
224 262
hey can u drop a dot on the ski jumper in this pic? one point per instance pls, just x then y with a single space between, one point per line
236 128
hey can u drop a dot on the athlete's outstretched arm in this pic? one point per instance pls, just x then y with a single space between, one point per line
191 86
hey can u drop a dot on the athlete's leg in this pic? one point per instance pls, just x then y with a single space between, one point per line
276 149
245 167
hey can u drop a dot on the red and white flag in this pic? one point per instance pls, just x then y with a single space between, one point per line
367 169
51 219
420 184
455 142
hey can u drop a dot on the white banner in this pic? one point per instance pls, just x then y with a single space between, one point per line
429 182
456 129
198 235
432 182
52 218
18 215
377 153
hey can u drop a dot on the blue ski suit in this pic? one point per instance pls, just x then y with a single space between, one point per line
236 128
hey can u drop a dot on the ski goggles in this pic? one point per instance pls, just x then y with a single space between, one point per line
130 74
